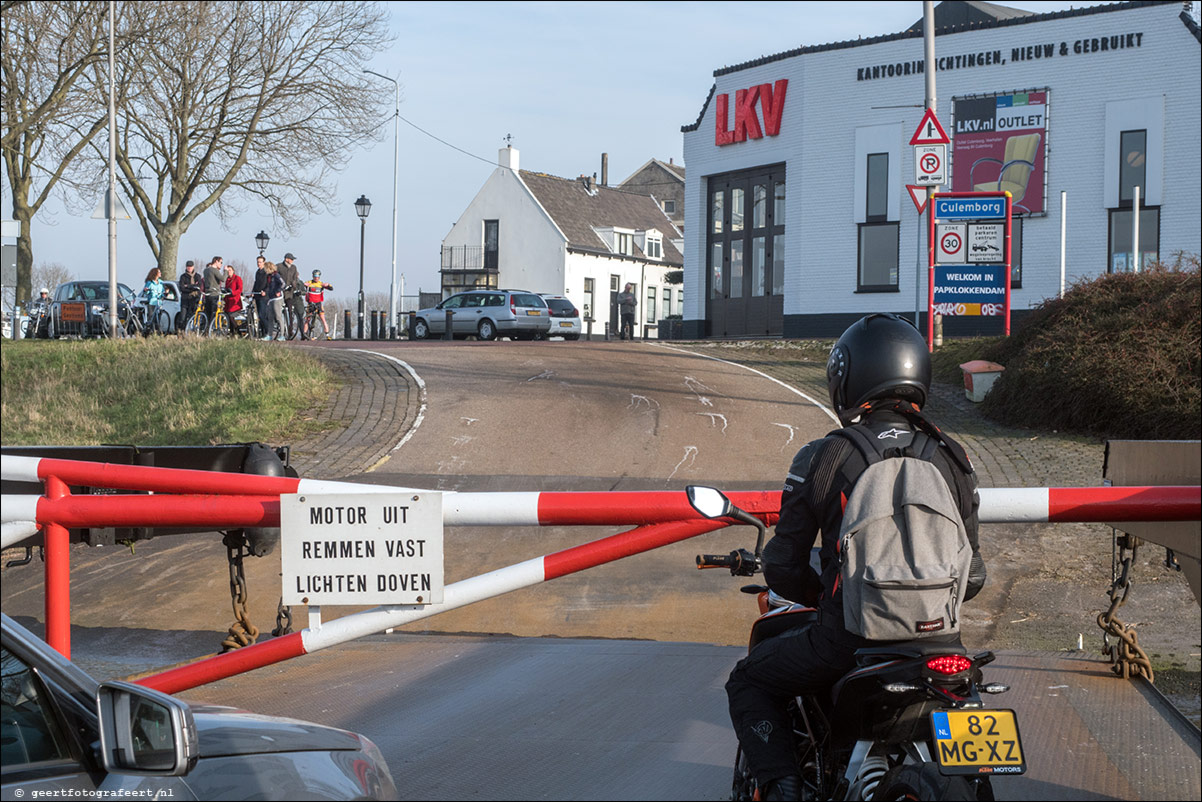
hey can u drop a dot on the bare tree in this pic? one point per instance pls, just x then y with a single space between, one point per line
231 103
47 118
50 275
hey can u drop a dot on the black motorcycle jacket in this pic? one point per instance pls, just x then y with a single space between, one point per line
816 489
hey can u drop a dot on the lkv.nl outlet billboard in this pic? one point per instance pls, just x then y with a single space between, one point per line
1000 144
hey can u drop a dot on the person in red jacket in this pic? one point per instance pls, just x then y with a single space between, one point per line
233 298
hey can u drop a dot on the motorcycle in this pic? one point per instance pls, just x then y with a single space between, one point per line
907 723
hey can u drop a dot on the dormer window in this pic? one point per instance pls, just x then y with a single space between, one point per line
624 243
669 207
654 247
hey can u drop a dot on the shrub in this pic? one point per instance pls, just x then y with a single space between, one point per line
1117 356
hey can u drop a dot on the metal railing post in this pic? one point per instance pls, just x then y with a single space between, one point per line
57 541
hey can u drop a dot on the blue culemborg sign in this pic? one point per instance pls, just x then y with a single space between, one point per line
968 289
993 208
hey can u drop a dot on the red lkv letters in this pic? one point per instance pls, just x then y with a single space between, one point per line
747 123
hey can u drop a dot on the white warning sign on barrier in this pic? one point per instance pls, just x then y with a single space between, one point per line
361 548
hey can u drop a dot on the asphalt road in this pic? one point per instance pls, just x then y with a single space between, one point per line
472 717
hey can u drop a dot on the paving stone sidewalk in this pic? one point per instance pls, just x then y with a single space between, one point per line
374 406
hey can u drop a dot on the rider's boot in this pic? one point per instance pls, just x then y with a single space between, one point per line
784 788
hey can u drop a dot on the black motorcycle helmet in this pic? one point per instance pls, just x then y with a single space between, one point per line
879 356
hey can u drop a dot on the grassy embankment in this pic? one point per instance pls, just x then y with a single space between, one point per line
158 391
1117 356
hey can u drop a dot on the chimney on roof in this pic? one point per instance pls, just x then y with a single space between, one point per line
604 169
508 157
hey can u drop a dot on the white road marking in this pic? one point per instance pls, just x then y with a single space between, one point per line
637 401
690 455
788 387
714 416
546 374
792 431
469 421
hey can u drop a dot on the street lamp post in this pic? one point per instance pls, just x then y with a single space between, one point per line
393 313
261 240
362 208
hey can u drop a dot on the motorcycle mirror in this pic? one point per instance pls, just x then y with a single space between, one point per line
708 501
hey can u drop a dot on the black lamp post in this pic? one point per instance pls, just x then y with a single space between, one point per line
261 240
362 208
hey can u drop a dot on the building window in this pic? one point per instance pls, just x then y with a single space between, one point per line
1133 172
878 257
667 301
669 207
758 265
655 246
778 263
1122 258
878 188
651 293
746 236
589 298
491 247
878 237
624 243
1133 169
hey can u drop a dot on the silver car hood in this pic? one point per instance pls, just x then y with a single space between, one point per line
228 731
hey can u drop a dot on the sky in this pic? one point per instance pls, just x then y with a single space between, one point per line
568 81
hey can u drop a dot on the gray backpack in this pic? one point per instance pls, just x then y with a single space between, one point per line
904 552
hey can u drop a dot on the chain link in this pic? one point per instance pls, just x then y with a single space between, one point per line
242 631
1125 653
283 619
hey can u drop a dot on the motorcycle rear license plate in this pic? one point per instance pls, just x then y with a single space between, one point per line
977 742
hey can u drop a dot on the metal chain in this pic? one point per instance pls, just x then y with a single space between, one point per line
1125 653
283 619
242 631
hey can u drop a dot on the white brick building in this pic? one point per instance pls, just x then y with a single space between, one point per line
798 219
568 237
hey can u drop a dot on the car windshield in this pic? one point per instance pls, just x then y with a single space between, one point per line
528 299
98 291
560 305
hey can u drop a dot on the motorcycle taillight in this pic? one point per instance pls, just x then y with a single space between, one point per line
949 664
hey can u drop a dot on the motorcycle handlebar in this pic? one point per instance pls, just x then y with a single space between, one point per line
714 561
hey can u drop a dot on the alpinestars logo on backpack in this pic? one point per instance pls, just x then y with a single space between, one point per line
904 549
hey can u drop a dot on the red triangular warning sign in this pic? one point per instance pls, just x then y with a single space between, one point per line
918 195
929 131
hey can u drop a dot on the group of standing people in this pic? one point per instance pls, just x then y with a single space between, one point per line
274 286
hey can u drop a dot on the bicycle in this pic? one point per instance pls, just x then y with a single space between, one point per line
129 322
158 323
312 318
198 321
290 321
227 324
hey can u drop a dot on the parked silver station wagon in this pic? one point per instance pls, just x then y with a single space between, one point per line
64 735
487 314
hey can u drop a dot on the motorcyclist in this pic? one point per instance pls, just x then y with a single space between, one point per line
879 376
39 314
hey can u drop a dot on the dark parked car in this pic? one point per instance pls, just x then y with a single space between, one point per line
66 736
78 308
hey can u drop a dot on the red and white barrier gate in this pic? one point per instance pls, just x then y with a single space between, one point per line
228 501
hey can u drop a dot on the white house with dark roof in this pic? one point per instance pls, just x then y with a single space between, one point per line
568 237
